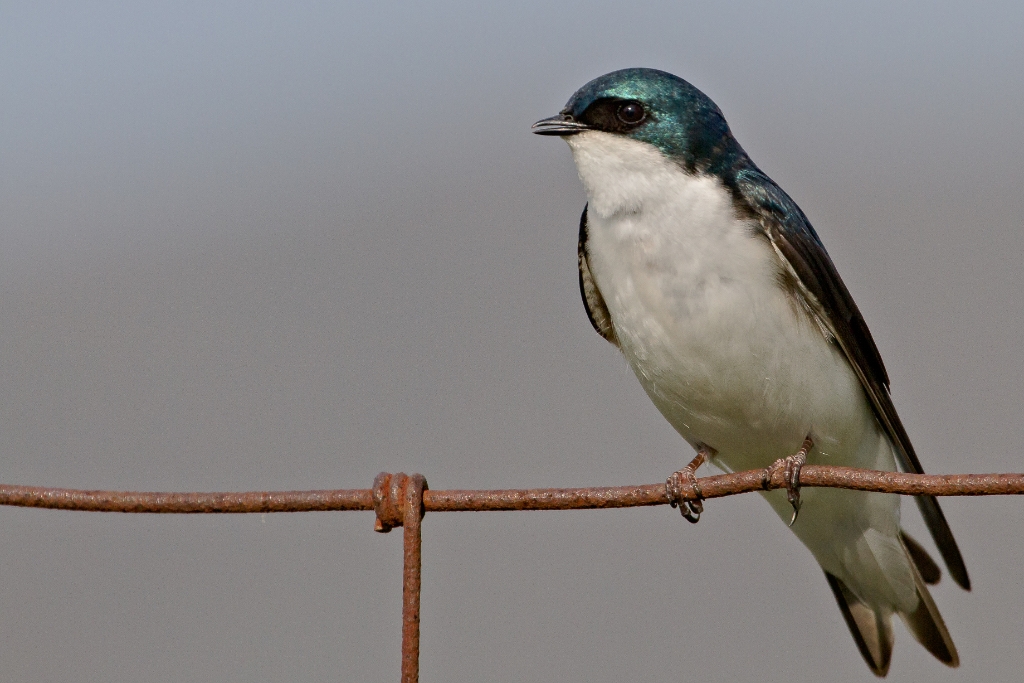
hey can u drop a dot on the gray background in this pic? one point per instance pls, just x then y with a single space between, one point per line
281 246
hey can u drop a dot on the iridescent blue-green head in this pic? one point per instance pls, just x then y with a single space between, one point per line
657 108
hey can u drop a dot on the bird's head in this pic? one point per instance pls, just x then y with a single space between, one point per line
652 107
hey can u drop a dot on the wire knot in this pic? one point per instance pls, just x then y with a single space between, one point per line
393 496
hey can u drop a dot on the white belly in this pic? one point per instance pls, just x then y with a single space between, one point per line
726 354
720 347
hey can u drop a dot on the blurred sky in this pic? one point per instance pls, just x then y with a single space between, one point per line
290 245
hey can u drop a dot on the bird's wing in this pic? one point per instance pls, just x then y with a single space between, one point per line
812 276
592 299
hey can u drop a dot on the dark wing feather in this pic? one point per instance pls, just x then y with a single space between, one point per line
825 296
592 299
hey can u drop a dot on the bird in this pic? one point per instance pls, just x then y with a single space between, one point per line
716 289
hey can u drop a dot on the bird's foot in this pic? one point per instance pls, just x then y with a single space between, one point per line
792 466
686 477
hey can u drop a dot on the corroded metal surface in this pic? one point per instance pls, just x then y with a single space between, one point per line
822 476
914 484
546 499
186 503
398 501
715 486
402 500
718 486
412 514
388 497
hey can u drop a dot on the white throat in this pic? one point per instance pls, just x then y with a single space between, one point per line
642 204
620 174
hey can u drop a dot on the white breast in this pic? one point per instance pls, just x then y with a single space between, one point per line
694 296
729 358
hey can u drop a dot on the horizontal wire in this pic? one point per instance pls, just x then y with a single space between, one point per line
715 486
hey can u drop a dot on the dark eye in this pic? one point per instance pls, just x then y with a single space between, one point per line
631 112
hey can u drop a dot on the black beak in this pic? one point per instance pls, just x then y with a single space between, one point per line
560 124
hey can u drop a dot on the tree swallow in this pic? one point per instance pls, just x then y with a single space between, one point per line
714 286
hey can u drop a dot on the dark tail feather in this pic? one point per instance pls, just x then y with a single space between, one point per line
939 528
926 625
930 571
871 630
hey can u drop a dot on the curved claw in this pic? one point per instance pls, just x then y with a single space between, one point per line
690 509
796 511
792 466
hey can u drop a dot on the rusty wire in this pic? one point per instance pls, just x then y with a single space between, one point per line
715 486
402 500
